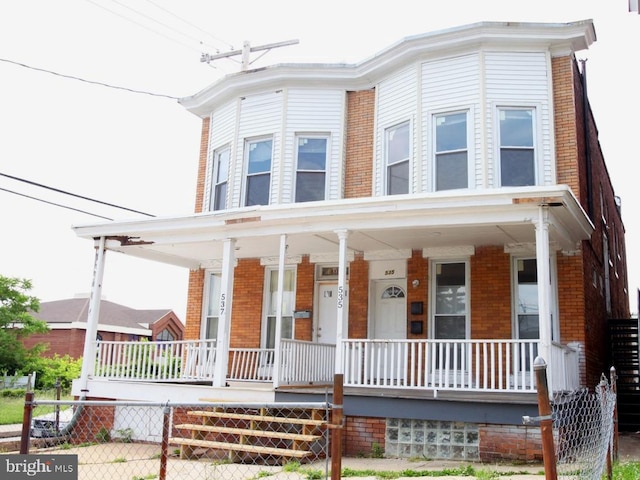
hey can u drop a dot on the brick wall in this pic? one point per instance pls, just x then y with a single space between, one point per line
505 443
490 295
202 164
246 312
361 434
359 150
194 305
358 297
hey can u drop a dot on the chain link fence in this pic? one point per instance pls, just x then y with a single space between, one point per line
583 424
137 441
577 429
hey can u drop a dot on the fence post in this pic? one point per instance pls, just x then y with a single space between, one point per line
546 422
164 449
336 427
614 388
26 422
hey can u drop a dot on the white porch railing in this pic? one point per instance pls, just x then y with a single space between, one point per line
306 363
144 360
478 365
564 370
474 365
251 364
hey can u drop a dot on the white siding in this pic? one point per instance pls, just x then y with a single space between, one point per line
397 99
314 111
221 128
520 79
260 115
448 85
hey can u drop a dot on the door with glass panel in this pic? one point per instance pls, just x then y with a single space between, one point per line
527 322
450 358
271 320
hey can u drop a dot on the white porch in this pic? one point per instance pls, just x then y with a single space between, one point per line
500 366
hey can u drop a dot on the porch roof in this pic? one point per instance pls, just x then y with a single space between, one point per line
502 216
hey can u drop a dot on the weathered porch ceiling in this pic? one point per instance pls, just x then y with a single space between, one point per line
403 222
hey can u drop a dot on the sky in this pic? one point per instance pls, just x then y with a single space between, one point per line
106 124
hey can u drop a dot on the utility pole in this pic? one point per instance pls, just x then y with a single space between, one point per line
246 51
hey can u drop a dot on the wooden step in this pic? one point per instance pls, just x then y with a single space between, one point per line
236 447
256 417
248 432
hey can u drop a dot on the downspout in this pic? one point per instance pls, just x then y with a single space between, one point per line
587 142
91 333
89 353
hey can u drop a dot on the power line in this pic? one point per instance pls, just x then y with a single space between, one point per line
93 82
53 203
73 194
142 25
189 23
148 17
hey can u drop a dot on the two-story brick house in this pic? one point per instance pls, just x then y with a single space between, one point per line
424 222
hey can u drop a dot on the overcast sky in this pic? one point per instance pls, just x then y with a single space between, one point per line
140 150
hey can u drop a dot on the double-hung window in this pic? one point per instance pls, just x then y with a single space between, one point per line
210 327
311 170
221 179
451 153
288 300
397 141
258 182
450 309
517 152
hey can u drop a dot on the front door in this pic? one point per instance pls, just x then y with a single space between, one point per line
389 322
328 311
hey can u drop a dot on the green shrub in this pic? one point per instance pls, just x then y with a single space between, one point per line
13 392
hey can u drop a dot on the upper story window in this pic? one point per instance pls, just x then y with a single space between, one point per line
311 170
258 181
451 153
517 153
221 179
397 141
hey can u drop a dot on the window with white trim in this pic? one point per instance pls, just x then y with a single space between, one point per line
450 294
397 152
451 152
212 311
517 152
271 307
311 170
219 186
259 154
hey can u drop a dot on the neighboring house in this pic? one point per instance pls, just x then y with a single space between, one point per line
67 322
425 223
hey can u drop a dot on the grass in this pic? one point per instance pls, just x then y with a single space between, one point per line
12 408
626 471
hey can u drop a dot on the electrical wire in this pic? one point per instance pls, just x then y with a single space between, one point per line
143 26
93 82
190 24
73 194
55 204
148 17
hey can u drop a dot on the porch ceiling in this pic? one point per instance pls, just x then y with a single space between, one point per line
489 217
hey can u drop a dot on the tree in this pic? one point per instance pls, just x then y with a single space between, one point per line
16 323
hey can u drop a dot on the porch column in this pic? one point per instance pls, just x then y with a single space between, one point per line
224 320
280 295
342 312
93 317
544 284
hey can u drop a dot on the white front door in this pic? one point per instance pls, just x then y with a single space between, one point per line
389 309
328 311
389 322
